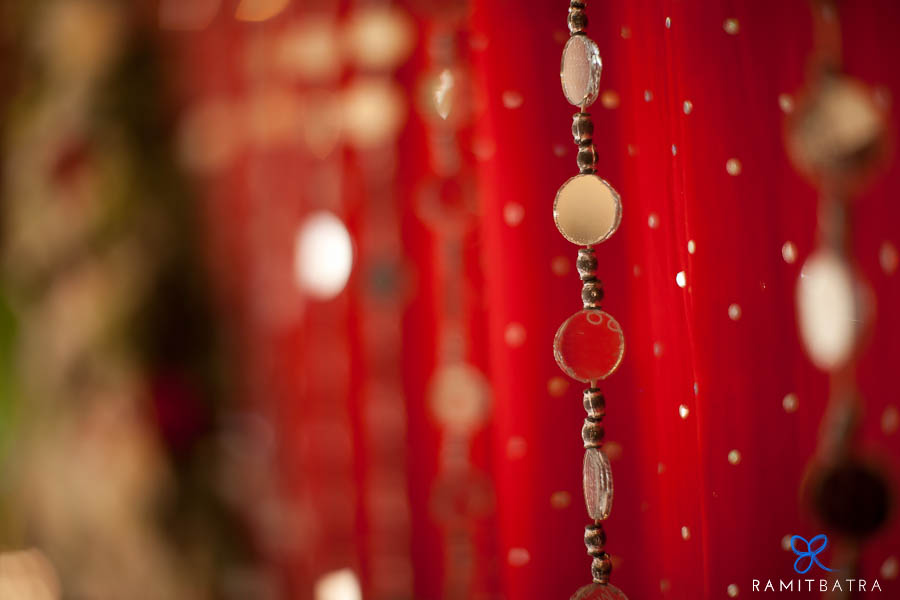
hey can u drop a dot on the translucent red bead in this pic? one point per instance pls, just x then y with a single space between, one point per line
589 345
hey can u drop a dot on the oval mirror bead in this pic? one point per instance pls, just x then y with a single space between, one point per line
598 484
580 70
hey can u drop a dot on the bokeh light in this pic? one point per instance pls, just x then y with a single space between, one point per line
323 256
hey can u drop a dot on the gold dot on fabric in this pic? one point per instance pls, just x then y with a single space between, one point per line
660 468
657 349
888 257
789 252
559 150
648 95
790 403
512 99
890 568
483 148
514 335
680 279
560 266
734 312
731 26
890 419
610 99
685 533
786 542
732 590
625 32
653 221
513 213
613 450
692 247
664 585
632 150
683 411
733 166
734 457
674 150
561 499
786 103
636 269
557 386
668 22
518 557
687 107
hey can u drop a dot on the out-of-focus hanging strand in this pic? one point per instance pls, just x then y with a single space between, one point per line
837 138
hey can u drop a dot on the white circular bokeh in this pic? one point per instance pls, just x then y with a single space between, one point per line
323 255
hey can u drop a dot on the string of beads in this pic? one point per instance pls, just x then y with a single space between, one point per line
589 345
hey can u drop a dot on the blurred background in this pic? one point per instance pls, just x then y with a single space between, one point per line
279 281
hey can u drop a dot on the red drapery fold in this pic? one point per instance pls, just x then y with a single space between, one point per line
707 454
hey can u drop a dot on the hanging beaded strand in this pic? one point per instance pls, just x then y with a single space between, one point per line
589 345
837 137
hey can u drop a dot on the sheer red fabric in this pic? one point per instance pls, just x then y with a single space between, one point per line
707 454
689 97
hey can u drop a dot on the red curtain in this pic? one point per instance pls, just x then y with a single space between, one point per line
707 454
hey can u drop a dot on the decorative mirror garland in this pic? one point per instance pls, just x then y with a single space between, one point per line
836 138
589 345
462 495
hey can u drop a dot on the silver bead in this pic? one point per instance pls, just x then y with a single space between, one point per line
592 294
598 484
592 433
582 128
595 539
587 158
601 567
586 263
594 403
577 20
